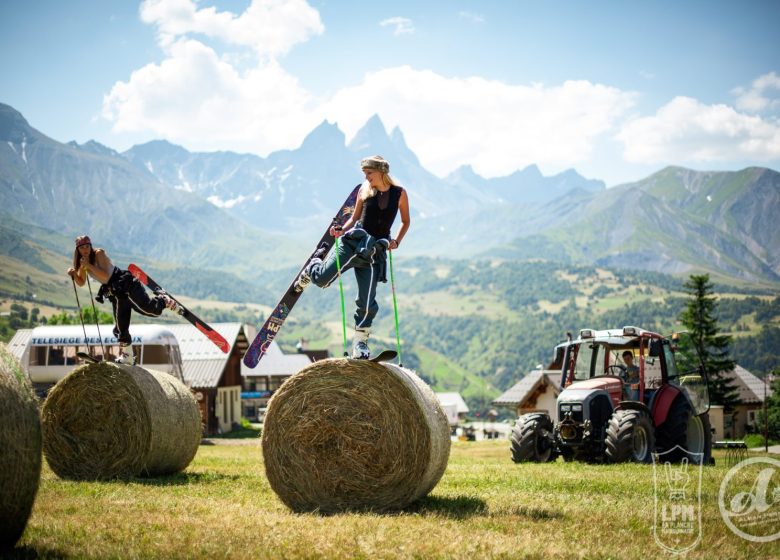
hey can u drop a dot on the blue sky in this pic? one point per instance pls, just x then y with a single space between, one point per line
616 90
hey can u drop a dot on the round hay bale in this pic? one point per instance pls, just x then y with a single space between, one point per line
20 449
347 435
108 420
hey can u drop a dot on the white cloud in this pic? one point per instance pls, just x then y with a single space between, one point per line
687 130
763 95
476 18
245 100
495 126
270 27
401 25
198 99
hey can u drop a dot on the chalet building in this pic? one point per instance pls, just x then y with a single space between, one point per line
536 392
751 394
214 377
453 406
260 383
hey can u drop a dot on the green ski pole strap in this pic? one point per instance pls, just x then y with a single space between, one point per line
341 295
395 309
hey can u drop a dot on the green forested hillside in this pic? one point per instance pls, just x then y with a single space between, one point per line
721 222
478 326
500 320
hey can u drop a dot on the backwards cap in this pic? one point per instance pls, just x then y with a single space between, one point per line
83 240
375 162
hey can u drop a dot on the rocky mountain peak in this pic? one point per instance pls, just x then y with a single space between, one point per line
324 134
13 126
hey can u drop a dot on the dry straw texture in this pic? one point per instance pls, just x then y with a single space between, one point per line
20 449
345 435
107 421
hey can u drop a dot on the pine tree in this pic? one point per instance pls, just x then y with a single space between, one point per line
772 422
701 320
769 418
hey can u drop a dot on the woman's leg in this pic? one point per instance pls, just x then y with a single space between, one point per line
366 305
324 273
365 310
139 297
122 310
112 299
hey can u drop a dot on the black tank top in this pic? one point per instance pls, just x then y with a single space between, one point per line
379 212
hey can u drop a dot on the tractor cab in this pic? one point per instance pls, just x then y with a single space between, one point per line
632 364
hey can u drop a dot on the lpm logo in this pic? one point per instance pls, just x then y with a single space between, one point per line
677 526
749 499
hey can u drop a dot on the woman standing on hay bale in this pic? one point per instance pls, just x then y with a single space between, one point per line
123 290
366 237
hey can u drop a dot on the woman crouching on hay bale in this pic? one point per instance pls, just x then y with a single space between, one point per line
20 450
345 435
107 420
366 237
123 290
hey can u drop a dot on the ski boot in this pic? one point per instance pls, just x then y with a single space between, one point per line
126 355
305 278
360 350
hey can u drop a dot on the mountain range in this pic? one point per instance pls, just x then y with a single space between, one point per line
243 213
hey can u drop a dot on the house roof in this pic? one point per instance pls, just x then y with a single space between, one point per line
202 362
750 388
453 399
520 391
194 345
19 342
275 362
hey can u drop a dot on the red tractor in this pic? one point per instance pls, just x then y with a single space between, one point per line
612 410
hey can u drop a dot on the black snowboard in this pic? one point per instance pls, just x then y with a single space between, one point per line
275 321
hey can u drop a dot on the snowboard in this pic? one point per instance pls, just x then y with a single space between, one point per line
203 327
87 358
384 356
271 327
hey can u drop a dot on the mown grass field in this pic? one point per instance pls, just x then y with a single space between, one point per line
484 507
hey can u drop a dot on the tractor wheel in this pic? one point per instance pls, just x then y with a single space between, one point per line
629 437
682 428
532 439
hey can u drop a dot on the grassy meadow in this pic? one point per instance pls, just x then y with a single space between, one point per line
484 507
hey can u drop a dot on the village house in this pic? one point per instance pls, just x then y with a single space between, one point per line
260 383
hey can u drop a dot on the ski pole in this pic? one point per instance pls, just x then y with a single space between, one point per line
341 295
81 316
395 310
96 316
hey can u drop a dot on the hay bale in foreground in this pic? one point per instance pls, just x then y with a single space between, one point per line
344 435
20 449
109 420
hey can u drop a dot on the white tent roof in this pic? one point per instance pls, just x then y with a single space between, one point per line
453 399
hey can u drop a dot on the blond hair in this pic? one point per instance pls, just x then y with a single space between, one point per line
367 191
